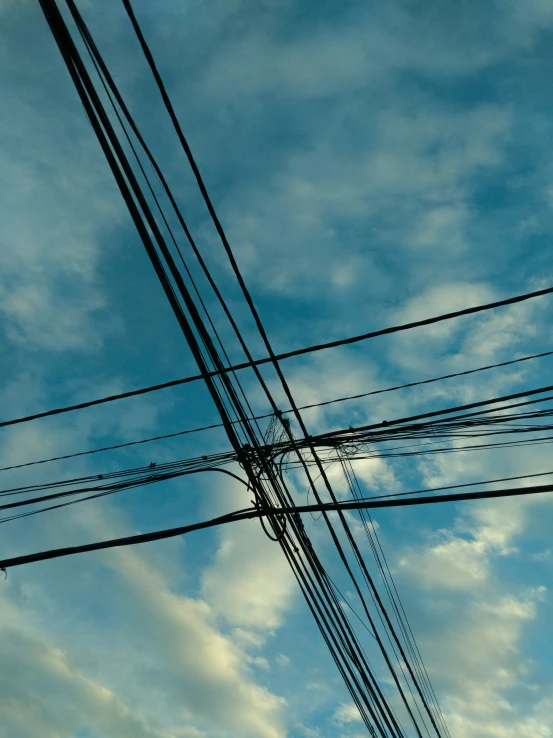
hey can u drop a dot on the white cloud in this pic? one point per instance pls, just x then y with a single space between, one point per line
109 642
452 562
282 659
250 583
406 181
346 713
404 185
480 630
367 50
470 342
156 665
202 665
439 299
479 618
442 227
461 559
42 692
505 328
489 667
59 200
528 19
375 475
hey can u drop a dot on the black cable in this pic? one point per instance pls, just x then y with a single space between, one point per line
245 292
216 425
198 464
331 632
228 389
104 490
534 295
246 365
393 594
385 620
111 88
460 486
111 448
251 513
116 158
353 695
220 231
71 58
445 411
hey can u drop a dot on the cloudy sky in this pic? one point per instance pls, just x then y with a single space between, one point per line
372 163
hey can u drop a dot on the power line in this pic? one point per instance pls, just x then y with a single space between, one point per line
196 377
111 448
460 486
445 411
154 473
259 417
250 513
425 381
192 324
227 389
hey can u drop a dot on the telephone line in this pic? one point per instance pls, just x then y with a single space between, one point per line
197 377
251 513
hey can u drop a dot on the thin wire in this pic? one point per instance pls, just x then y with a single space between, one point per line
186 432
246 365
74 63
250 513
386 574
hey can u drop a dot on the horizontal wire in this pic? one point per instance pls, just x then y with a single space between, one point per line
197 377
257 512
220 425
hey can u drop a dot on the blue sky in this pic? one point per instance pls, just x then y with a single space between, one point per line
372 163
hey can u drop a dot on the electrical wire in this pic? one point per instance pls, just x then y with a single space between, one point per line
237 367
251 513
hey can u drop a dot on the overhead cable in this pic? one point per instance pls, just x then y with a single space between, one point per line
250 513
174 383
